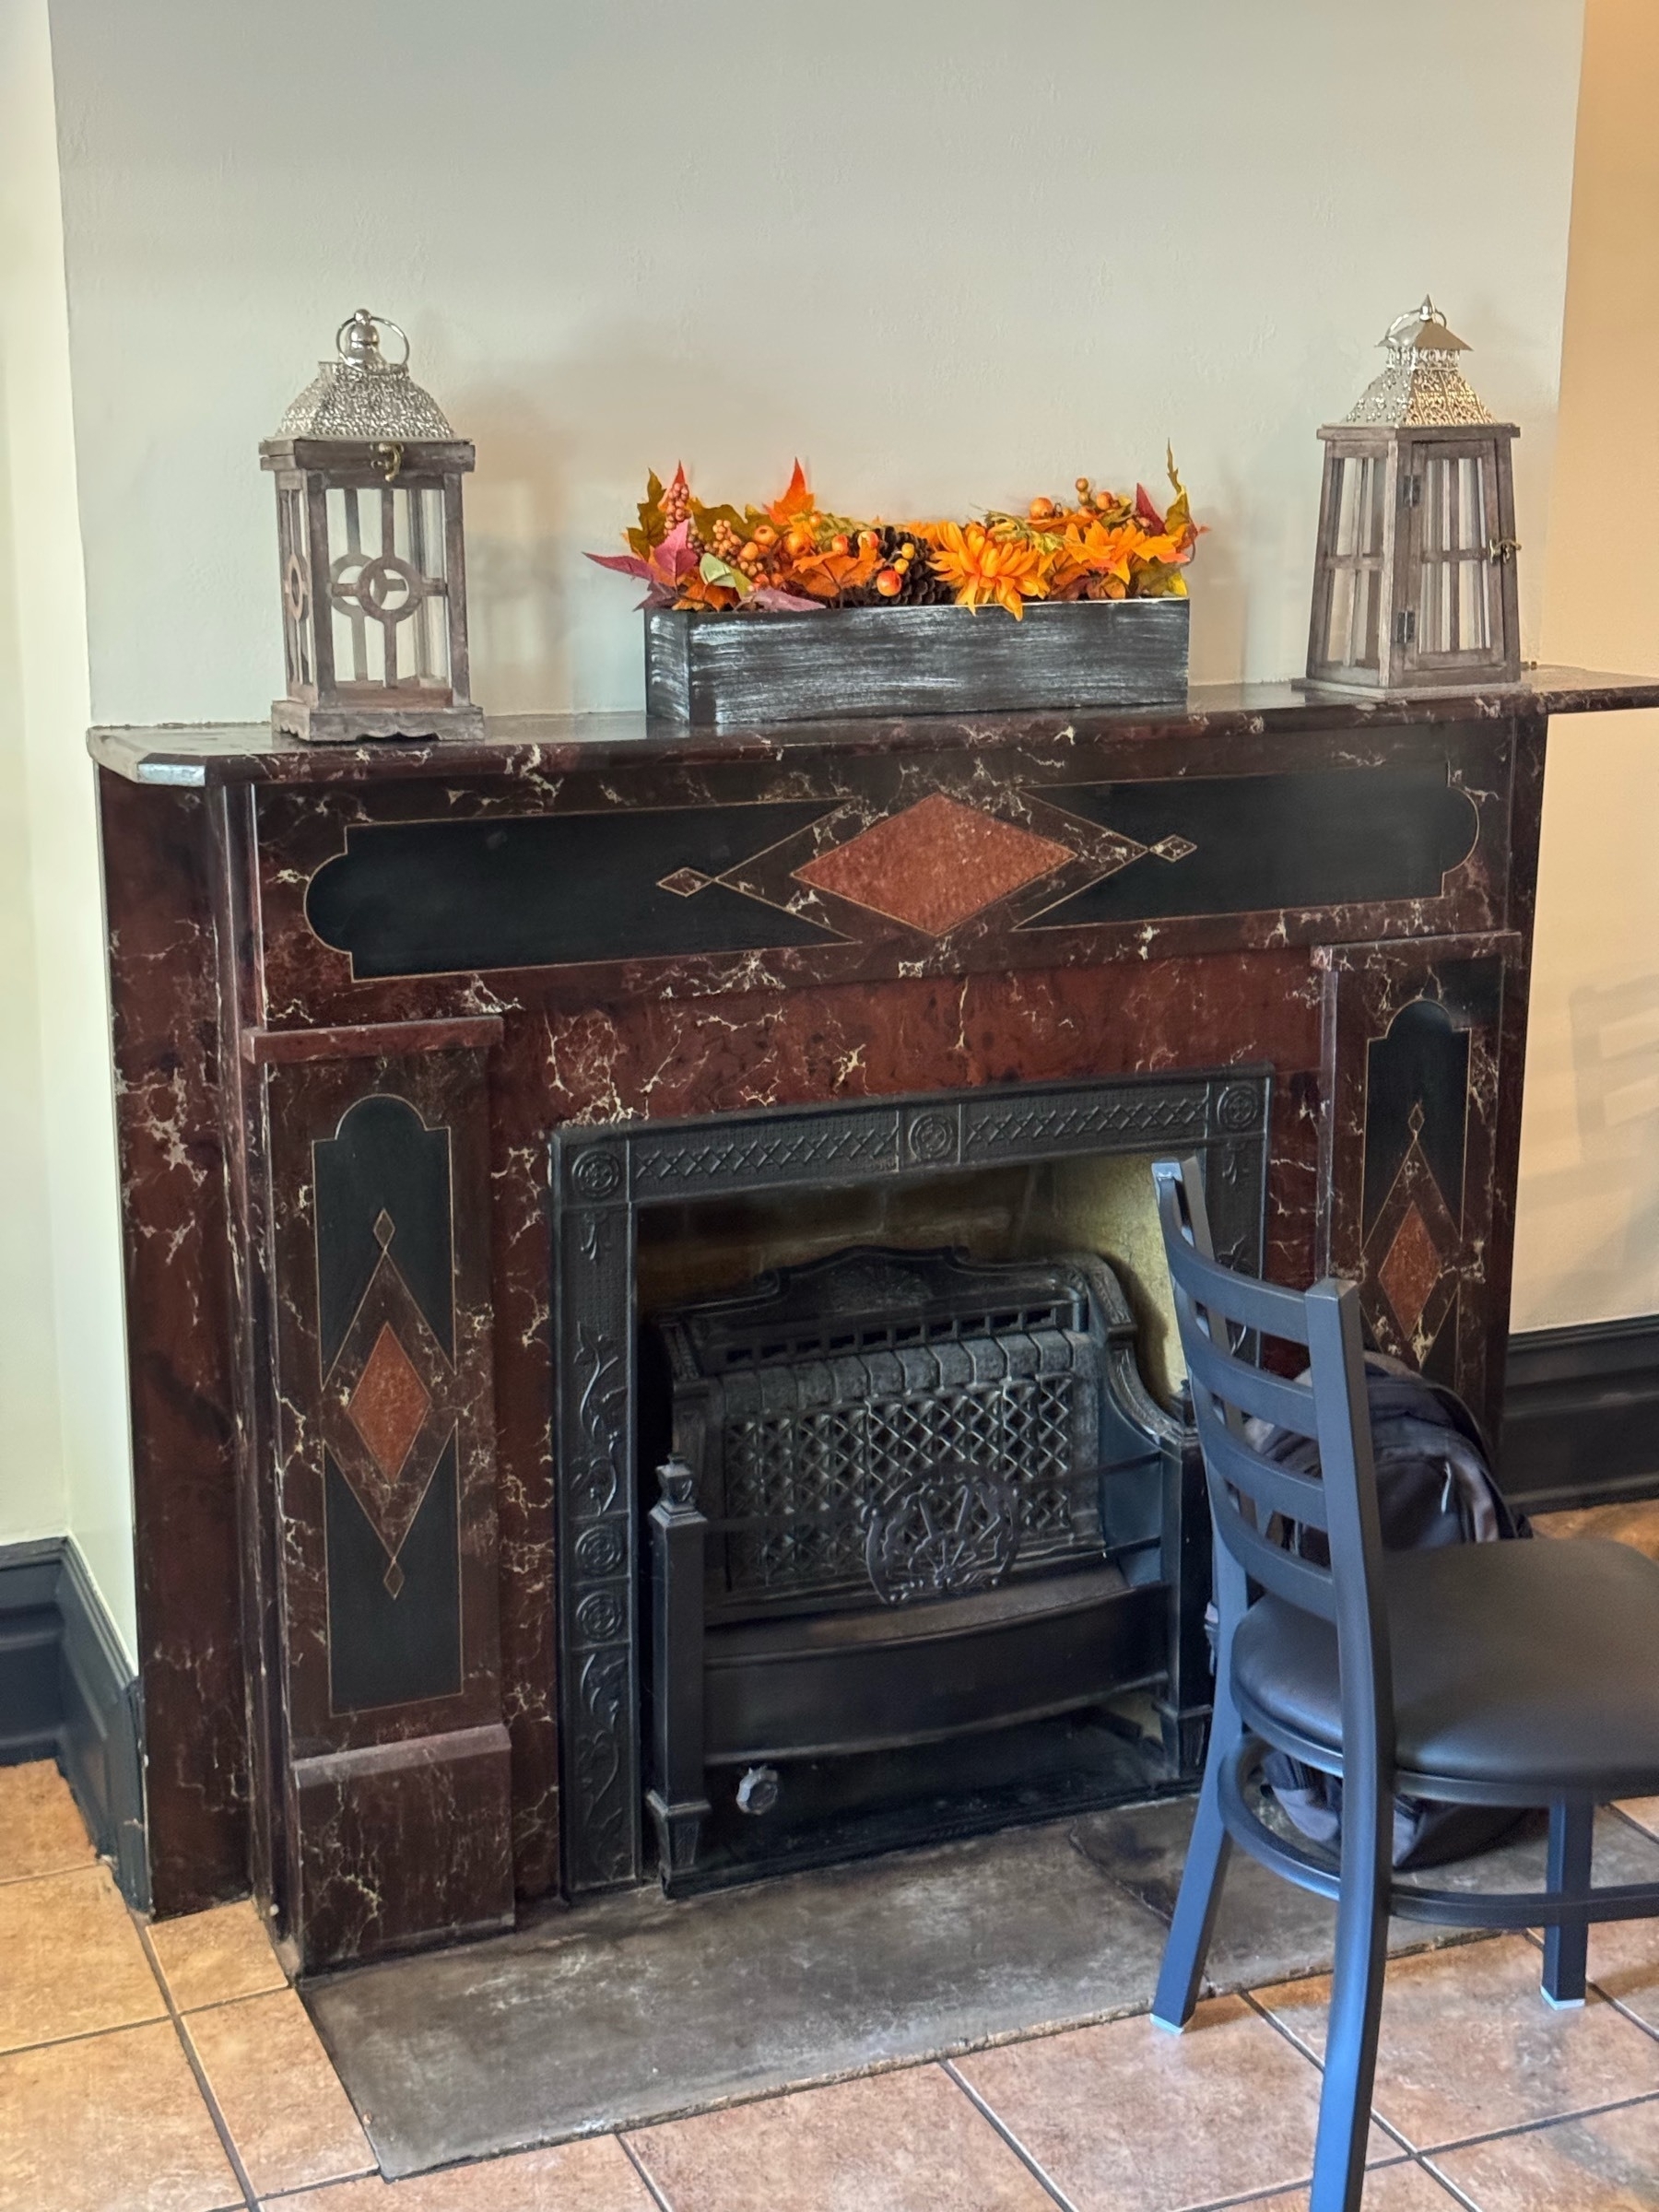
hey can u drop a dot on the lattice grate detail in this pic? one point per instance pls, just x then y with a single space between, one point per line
822 1473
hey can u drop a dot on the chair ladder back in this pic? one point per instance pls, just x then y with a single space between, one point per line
1248 1489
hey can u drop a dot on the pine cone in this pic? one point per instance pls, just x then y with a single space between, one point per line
921 587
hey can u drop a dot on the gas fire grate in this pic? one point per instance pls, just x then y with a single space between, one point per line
833 1396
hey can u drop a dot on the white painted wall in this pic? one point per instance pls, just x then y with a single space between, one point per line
64 1452
952 253
1588 1242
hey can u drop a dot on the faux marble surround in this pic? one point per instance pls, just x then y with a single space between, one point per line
239 1032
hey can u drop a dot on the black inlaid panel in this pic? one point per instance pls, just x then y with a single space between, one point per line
1421 1069
386 1650
546 891
1319 836
382 1158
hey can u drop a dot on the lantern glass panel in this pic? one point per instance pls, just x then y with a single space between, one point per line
295 589
1355 559
388 587
1455 609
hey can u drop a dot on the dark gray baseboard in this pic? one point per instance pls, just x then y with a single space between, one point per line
1580 1416
67 1693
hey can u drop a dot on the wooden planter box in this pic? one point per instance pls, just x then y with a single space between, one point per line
730 671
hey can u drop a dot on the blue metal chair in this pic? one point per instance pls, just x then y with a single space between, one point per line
1522 1675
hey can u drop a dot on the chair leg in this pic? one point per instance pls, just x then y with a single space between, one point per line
1201 1882
1566 1950
1350 2061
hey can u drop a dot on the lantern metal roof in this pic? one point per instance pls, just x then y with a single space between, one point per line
1422 382
362 395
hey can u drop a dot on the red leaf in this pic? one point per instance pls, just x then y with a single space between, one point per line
674 557
625 564
1145 509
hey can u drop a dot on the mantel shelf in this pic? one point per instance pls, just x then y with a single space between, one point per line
198 754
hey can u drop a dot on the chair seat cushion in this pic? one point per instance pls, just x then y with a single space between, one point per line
1533 1665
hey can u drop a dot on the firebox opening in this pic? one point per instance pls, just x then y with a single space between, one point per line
1098 1203
843 1716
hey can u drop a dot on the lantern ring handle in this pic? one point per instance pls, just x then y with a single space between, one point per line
1428 312
381 322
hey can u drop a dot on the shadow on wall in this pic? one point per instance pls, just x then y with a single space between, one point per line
560 470
1615 1031
515 595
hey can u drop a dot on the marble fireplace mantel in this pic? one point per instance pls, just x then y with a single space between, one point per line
358 991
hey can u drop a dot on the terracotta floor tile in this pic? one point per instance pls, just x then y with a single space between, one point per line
114 2124
209 1958
1387 2189
1636 1524
1607 2163
596 2176
1624 1962
70 1959
1126 2118
1644 1811
41 1827
292 2121
902 2142
1468 2046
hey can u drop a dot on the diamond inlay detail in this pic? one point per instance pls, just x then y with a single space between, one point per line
1411 1270
936 865
1173 848
684 883
389 1405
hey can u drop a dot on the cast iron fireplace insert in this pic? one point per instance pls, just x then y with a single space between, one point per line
634 1747
914 1496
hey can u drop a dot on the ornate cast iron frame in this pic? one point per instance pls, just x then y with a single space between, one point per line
602 1175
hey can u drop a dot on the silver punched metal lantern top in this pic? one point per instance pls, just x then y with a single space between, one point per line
1422 382
362 395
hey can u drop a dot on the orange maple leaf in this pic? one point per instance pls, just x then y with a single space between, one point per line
795 501
827 574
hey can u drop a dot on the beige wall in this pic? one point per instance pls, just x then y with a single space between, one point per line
33 1500
952 251
1588 1245
63 1455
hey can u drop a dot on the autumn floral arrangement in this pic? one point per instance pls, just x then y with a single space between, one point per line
795 556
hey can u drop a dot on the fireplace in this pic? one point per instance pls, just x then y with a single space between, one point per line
732 1363
442 1068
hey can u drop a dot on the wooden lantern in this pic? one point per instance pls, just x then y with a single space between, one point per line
1413 589
373 575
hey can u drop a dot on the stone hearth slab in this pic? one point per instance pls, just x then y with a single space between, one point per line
632 2009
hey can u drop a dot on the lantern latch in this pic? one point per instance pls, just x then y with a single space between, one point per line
1501 550
1405 626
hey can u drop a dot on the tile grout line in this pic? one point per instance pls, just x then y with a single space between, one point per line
1631 1821
52 1873
634 2159
1648 2027
84 2035
1536 2127
1624 2012
1273 2021
947 2067
222 2126
1458 2195
1522 2127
